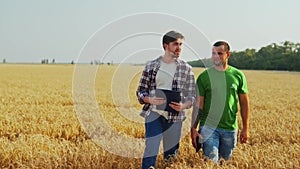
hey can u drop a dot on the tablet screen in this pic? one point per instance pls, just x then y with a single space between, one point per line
169 96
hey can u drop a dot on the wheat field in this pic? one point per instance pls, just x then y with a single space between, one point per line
42 124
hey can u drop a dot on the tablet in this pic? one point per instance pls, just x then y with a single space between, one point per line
169 96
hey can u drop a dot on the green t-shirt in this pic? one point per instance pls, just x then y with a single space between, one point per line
220 90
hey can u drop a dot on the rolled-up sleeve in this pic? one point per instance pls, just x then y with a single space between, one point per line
144 84
190 89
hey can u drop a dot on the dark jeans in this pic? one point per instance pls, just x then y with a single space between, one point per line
157 127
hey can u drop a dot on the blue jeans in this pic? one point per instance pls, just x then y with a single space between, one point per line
157 128
218 143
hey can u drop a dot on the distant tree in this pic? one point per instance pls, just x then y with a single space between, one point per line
44 61
97 62
4 60
207 62
72 62
53 61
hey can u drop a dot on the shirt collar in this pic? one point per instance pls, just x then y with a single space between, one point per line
160 57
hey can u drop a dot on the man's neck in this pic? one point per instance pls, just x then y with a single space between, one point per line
222 67
167 58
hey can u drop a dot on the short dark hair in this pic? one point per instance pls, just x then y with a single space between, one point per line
220 43
171 36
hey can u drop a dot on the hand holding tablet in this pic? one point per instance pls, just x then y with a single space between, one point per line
172 100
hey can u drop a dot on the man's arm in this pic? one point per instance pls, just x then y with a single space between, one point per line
245 113
154 100
189 94
195 114
196 118
144 85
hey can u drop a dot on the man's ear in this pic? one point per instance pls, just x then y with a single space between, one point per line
228 54
165 46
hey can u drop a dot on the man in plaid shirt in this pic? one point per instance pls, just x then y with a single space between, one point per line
167 72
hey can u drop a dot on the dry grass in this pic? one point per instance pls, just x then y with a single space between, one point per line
39 127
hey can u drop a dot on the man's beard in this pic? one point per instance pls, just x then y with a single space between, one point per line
174 55
218 63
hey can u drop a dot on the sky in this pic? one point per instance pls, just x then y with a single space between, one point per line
131 31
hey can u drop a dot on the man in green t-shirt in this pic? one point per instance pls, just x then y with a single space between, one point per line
220 89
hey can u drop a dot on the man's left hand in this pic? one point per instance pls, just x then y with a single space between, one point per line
244 136
176 106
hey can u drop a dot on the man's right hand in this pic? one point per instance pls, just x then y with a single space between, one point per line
154 100
194 135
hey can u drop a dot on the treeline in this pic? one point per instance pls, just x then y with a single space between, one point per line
283 56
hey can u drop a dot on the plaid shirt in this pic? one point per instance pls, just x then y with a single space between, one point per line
183 81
